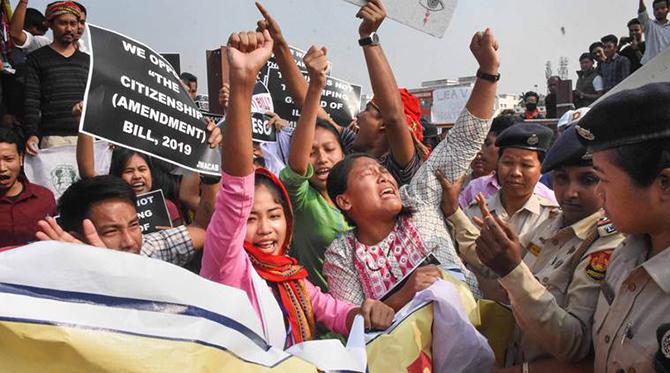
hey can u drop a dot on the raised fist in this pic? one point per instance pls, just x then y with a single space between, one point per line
317 64
484 47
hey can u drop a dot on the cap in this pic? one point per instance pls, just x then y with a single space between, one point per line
571 116
567 151
531 136
627 117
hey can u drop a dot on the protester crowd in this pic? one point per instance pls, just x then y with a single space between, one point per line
339 219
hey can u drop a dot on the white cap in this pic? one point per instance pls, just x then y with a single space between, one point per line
571 116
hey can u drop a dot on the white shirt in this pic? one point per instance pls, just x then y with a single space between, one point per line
657 36
598 83
35 42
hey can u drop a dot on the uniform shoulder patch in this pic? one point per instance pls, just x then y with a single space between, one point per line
598 263
605 227
534 249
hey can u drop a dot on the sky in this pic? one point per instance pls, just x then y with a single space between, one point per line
529 33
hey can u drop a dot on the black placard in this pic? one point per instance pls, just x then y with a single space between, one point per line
340 99
134 98
152 211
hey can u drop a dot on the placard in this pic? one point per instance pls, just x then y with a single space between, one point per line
429 16
448 103
152 211
134 98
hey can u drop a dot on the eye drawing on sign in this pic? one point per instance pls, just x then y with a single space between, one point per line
431 6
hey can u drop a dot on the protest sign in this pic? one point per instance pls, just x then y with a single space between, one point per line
56 168
261 129
448 103
429 16
152 211
340 99
134 98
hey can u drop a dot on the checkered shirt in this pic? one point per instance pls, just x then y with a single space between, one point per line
424 194
171 245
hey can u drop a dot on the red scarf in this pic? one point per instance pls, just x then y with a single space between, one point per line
287 274
532 114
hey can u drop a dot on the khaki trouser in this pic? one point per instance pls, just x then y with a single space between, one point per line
51 141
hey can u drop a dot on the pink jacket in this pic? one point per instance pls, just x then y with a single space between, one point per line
225 261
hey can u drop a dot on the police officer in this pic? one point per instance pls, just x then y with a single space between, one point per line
629 135
554 290
522 148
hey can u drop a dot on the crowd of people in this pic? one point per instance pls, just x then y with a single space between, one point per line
569 229
609 61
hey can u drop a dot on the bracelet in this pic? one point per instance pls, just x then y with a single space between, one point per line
525 368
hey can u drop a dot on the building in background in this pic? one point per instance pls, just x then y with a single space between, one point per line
443 99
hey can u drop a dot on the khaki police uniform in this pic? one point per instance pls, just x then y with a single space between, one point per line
536 210
633 306
554 291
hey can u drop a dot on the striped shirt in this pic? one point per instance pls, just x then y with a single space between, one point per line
54 83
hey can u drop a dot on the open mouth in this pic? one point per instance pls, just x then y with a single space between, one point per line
322 171
387 192
267 246
138 186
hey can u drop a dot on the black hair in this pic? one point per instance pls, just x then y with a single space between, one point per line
9 136
81 7
643 161
120 158
633 21
529 94
322 123
595 45
501 123
35 18
611 38
667 3
338 177
76 202
188 77
277 194
586 55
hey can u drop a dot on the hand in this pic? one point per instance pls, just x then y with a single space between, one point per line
372 14
269 23
498 246
353 125
484 47
77 109
215 136
247 54
450 193
376 314
317 64
276 121
49 230
421 279
31 145
224 95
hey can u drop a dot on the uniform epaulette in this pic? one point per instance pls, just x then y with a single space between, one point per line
605 227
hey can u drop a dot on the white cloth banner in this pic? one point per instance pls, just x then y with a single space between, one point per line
56 168
448 103
62 286
429 16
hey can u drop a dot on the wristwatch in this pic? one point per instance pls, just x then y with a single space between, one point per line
489 77
373 39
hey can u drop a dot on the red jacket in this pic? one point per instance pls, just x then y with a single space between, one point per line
18 218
